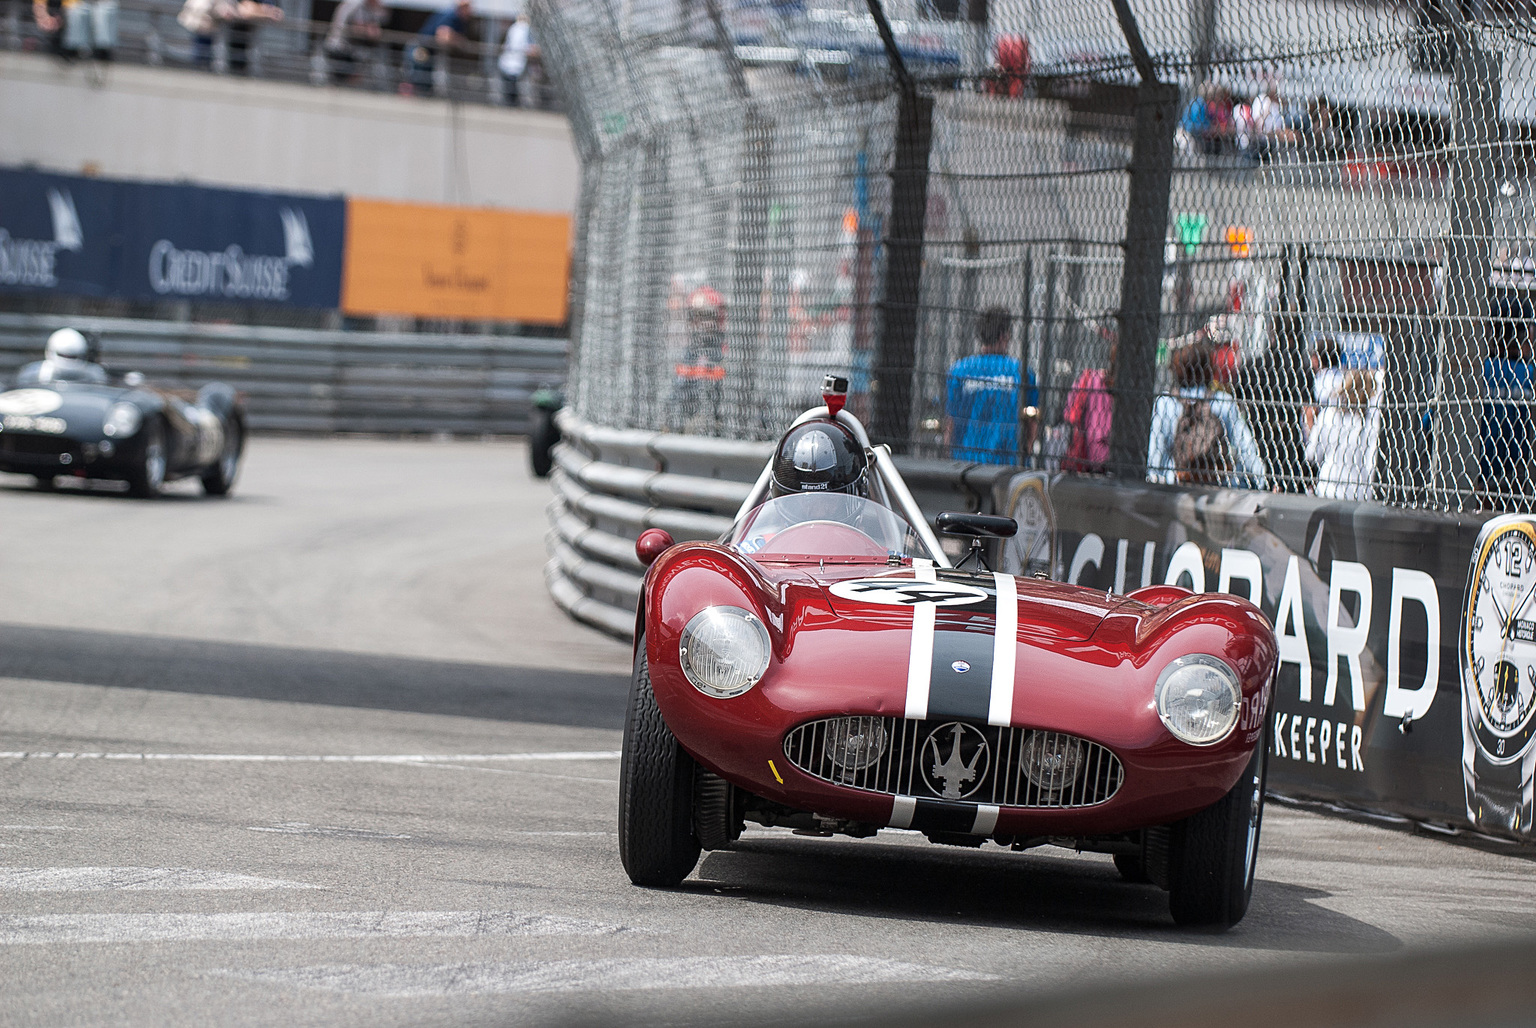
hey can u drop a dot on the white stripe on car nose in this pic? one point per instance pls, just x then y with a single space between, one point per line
1004 650
920 661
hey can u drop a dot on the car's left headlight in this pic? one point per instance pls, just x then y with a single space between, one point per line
122 420
1198 698
724 651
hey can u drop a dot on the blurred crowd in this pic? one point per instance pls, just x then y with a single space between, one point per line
363 42
1216 122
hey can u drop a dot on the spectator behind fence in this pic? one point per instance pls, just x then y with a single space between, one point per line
1506 424
240 18
353 35
1199 436
1343 441
981 409
513 60
1089 417
78 28
1327 378
444 32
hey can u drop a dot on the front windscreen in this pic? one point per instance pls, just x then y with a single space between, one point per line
824 525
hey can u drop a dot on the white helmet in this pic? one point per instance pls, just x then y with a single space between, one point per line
68 344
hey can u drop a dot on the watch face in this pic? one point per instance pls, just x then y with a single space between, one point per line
1032 549
1499 649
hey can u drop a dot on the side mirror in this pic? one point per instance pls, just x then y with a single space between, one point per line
651 544
953 522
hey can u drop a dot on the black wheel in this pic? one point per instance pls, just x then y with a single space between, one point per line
219 479
1132 867
541 442
1212 854
147 477
716 823
656 841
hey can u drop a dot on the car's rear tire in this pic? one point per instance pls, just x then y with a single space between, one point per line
656 841
1132 868
541 442
147 476
1212 855
219 479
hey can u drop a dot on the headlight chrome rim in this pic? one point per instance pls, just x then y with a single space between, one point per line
702 651
1170 709
121 421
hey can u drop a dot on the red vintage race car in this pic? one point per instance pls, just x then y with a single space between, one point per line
824 668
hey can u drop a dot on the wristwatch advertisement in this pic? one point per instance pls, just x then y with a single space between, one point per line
1498 675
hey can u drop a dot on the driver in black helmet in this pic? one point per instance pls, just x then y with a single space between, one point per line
820 456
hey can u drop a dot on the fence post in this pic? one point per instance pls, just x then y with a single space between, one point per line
896 351
1141 284
1457 406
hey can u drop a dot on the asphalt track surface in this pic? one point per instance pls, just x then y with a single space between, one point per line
325 753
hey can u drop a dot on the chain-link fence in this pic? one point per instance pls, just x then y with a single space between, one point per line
1271 243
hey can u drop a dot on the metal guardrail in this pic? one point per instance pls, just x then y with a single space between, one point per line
612 484
318 381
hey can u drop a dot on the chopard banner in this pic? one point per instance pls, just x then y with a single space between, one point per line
1407 680
151 241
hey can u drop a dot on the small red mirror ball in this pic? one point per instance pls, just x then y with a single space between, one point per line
651 544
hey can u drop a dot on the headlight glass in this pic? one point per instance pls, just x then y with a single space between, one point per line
1051 761
1198 699
855 743
122 420
724 651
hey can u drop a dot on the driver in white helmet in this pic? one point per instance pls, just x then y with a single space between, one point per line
69 357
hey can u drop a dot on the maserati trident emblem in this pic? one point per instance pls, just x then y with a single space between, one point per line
955 760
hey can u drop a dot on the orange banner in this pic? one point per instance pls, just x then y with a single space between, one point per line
455 262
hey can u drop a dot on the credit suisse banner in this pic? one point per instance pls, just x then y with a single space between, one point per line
153 241
1407 680
456 262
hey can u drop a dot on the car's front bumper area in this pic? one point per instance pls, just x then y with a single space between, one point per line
1126 771
30 453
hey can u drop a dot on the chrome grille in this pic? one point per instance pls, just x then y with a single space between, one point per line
1005 782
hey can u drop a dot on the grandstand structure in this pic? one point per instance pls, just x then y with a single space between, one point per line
1276 179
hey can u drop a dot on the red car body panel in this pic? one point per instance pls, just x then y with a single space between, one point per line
1086 663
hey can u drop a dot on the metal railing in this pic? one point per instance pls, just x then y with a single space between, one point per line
148 33
309 381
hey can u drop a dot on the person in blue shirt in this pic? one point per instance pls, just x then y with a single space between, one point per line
446 30
1506 479
981 410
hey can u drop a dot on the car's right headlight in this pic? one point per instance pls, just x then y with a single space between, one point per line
1198 698
724 651
122 420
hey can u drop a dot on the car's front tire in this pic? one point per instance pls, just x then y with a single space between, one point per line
147 476
1212 855
656 841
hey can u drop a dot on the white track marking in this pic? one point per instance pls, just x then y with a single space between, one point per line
132 879
512 771
329 758
647 973
45 929
920 658
321 758
1005 650
305 828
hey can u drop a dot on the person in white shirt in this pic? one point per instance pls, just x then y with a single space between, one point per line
513 61
1344 439
355 30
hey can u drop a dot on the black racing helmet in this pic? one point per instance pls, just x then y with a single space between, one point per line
819 456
